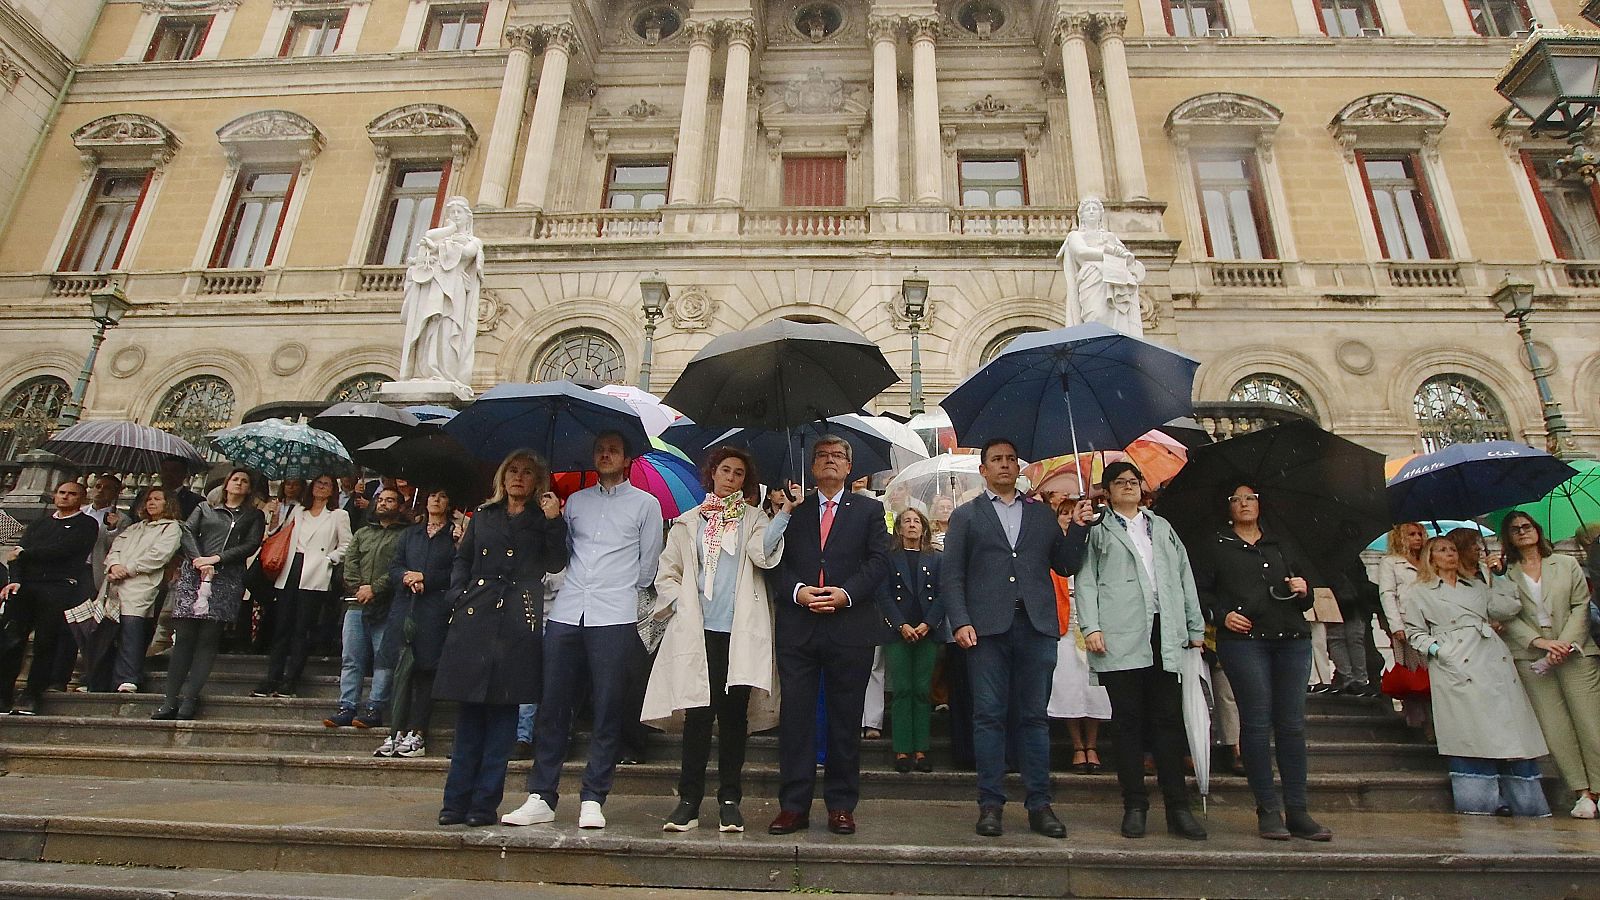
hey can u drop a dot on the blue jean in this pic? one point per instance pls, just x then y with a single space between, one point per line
1011 675
135 637
477 779
1269 685
362 638
606 653
525 714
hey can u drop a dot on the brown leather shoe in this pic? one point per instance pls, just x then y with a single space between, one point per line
789 822
840 821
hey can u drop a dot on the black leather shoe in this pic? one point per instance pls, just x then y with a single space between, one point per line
1301 825
187 708
1043 821
1133 823
1269 825
478 820
989 821
902 764
451 817
166 713
1181 822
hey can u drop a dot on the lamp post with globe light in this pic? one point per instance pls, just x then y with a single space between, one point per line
653 301
1515 300
107 307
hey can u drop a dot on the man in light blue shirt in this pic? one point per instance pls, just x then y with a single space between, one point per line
614 533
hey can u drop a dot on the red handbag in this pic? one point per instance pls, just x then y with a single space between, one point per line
275 550
1402 683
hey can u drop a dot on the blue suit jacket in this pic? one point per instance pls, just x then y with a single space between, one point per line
984 576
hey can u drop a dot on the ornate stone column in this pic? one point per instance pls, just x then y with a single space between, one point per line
559 43
741 34
507 117
925 110
885 109
1119 102
686 168
1088 169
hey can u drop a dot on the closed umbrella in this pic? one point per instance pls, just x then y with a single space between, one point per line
556 419
281 449
1196 677
1569 506
780 375
359 424
115 445
1466 480
1088 387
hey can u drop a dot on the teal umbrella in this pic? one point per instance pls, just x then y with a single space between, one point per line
1434 528
281 449
1571 505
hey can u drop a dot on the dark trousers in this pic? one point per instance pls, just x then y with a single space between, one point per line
299 611
1011 675
36 609
477 779
194 649
842 672
1147 711
135 637
958 687
730 708
419 706
606 653
635 740
1269 685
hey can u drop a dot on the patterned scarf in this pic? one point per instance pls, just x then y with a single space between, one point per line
722 517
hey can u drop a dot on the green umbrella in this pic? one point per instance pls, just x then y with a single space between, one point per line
1573 504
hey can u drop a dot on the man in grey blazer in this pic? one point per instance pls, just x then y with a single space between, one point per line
1001 604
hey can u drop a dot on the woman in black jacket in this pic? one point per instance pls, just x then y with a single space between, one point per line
418 620
1251 587
492 657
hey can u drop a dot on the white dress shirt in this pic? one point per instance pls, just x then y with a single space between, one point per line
614 539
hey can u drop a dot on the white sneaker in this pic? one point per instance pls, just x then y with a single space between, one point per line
387 748
590 815
1584 808
533 812
411 746
127 687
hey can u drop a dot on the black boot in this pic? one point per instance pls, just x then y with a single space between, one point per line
1133 822
1181 822
1269 824
187 706
1301 825
166 713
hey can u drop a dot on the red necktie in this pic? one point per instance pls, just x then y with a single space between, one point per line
827 525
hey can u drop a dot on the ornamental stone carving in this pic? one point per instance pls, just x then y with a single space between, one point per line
814 93
562 34
1075 26
491 309
895 306
1355 357
271 127
691 309
10 72
1111 24
421 119
1391 119
288 359
641 109
702 32
988 106
815 22
524 37
923 28
128 361
188 6
740 31
884 28
125 136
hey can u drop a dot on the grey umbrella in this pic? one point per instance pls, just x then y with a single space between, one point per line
115 445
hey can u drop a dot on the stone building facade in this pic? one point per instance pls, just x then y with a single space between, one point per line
1325 193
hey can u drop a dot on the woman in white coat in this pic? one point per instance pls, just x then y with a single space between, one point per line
1485 725
1397 572
716 659
136 565
305 586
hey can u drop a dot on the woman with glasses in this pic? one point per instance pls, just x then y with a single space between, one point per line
1251 587
1555 655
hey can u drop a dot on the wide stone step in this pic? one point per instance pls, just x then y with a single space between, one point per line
909 848
314 738
240 684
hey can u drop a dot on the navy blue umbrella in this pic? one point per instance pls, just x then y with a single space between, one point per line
1088 387
1466 480
692 438
556 419
785 454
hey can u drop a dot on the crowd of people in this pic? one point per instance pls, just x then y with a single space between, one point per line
754 611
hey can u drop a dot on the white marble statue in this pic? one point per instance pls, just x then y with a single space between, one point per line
441 301
1103 276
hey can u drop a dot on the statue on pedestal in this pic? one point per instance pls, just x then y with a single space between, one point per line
441 301
1103 275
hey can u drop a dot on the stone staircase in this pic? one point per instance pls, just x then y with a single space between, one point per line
260 783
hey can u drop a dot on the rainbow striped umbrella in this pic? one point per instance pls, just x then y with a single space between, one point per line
664 472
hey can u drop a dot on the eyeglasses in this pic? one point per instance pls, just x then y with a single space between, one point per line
1125 482
1245 498
1522 527
839 455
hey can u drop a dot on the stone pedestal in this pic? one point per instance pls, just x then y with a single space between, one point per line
421 391
34 495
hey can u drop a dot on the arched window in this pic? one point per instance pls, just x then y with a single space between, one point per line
993 348
1455 409
1264 388
358 389
195 407
580 353
29 414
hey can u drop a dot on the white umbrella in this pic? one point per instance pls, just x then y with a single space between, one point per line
905 446
655 415
948 474
1196 678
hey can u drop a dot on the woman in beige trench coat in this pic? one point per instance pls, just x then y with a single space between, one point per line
1485 725
716 658
136 566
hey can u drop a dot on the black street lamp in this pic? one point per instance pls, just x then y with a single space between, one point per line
107 307
1554 79
1515 299
914 294
653 300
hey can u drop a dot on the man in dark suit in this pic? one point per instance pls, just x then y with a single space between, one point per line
998 555
826 621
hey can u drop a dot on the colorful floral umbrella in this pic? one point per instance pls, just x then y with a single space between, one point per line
1159 457
664 473
1573 503
278 448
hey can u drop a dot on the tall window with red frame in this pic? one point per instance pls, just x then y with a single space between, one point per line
314 33
255 219
454 27
1571 209
411 206
1195 18
1499 18
1402 208
178 38
1232 207
1349 18
108 216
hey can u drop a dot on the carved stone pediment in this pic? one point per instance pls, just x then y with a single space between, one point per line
1223 108
1389 118
813 93
422 128
270 134
814 103
126 137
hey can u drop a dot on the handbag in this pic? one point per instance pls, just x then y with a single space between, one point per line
651 629
1324 607
275 550
1402 683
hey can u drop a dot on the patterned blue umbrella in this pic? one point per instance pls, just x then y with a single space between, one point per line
278 449
1466 480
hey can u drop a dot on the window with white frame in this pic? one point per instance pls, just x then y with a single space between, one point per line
454 27
1570 208
1196 18
178 38
314 33
412 205
1500 18
107 220
255 219
1349 18
994 181
271 155
1232 205
1398 182
1402 208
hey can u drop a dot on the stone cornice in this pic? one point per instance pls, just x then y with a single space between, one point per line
29 41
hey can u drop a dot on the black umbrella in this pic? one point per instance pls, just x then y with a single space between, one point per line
556 419
359 424
1186 431
780 375
114 445
1320 493
785 454
431 461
